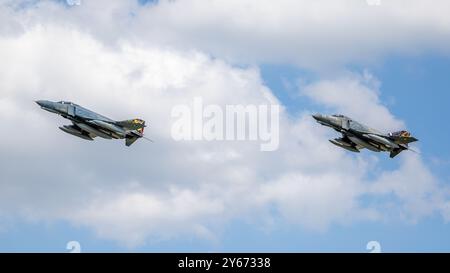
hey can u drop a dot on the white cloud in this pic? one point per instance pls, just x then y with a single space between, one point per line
318 200
131 217
169 188
418 189
307 33
356 96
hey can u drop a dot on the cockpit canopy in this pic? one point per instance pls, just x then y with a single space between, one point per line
66 102
341 116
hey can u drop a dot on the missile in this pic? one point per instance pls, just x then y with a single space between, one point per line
94 131
344 145
71 130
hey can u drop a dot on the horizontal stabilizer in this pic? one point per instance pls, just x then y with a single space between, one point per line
395 152
130 140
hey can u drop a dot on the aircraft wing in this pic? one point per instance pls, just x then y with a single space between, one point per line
357 146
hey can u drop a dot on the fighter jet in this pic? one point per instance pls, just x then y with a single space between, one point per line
87 124
357 136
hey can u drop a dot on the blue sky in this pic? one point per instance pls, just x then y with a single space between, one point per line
66 191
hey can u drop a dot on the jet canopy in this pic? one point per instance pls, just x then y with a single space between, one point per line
341 116
66 102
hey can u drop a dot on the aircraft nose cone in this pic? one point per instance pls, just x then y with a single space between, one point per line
317 116
43 103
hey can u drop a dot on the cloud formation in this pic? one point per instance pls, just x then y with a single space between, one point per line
162 190
357 96
312 34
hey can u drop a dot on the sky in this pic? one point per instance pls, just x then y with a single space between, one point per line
384 64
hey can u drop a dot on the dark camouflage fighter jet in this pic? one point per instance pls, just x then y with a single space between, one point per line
356 136
87 124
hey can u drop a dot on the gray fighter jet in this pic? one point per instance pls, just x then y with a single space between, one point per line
87 124
356 136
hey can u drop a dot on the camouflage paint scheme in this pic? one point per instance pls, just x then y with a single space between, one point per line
357 136
87 124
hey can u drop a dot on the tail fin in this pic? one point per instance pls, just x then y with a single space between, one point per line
136 125
133 124
402 137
